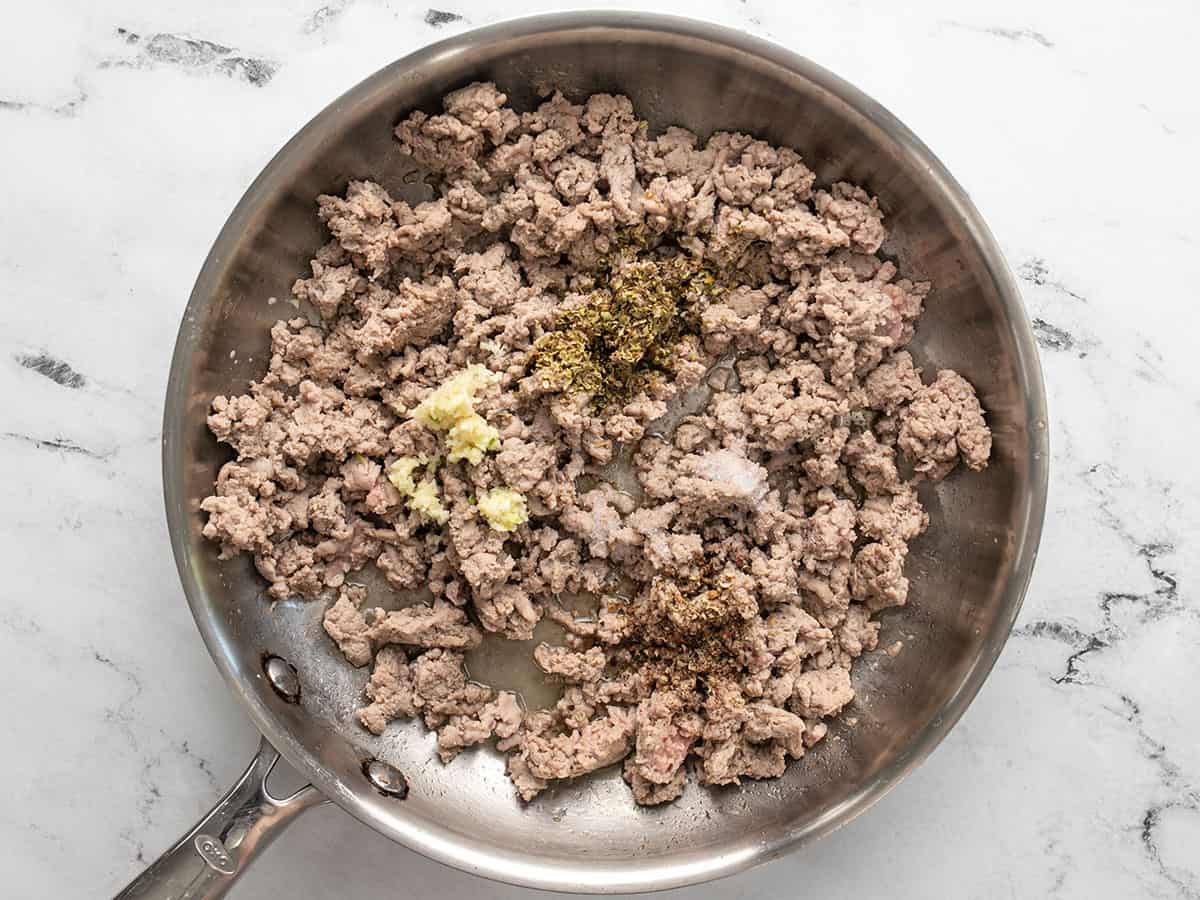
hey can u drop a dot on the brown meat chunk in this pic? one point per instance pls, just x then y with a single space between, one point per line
898 516
858 633
855 213
878 575
770 723
440 688
362 223
499 718
601 742
792 405
527 784
242 514
596 520
944 423
893 383
872 464
822 692
412 314
664 738
651 793
390 691
569 665
439 625
508 610
347 626
474 118
329 287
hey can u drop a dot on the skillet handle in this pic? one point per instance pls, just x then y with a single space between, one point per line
206 861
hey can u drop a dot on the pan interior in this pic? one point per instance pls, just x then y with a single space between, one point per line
968 571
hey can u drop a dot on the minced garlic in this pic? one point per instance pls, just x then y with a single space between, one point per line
400 474
470 438
454 400
503 508
426 501
422 498
451 408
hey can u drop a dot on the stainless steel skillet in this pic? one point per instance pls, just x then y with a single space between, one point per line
969 572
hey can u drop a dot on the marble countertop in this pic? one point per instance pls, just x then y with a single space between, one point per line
128 130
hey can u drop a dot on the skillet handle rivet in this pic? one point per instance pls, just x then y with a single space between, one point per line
282 677
386 778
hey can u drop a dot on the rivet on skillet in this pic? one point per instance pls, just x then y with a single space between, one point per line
283 678
386 779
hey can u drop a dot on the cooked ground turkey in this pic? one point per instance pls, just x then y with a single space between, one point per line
735 579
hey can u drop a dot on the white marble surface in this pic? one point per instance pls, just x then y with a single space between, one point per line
1075 128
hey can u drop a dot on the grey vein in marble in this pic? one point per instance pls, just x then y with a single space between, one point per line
438 17
194 55
324 16
1035 272
20 625
120 715
1151 363
1161 601
1071 635
1164 600
60 444
1184 796
1051 337
200 762
67 109
1008 34
1166 129
56 370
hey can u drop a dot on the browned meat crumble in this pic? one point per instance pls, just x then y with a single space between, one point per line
735 574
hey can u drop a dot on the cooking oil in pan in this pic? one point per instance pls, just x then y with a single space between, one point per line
382 594
508 665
